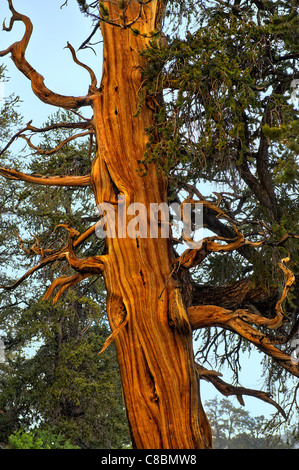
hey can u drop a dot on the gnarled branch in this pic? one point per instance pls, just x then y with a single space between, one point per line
92 267
193 257
209 315
215 314
238 321
64 283
227 389
18 50
34 178
59 125
40 151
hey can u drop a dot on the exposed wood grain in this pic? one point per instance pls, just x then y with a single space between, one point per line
154 348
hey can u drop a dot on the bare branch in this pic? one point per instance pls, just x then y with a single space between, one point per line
238 321
56 149
210 315
113 335
227 389
263 343
62 255
93 87
60 125
18 50
46 180
64 283
193 257
84 44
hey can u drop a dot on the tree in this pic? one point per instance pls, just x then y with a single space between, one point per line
38 440
200 104
235 428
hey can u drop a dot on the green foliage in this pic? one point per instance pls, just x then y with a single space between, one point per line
235 428
38 439
221 77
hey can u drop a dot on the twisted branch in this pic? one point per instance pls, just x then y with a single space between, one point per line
238 321
85 267
93 86
228 389
18 50
34 178
60 125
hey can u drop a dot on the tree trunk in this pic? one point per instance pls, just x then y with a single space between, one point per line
154 347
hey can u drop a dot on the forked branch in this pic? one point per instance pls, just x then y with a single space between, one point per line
18 50
228 389
54 126
238 321
85 267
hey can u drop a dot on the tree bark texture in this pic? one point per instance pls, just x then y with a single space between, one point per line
154 348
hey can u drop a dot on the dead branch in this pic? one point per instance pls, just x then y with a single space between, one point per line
227 389
210 315
113 335
60 125
215 314
192 257
40 151
93 86
85 267
238 321
35 249
18 50
263 343
34 178
84 44
64 283
96 266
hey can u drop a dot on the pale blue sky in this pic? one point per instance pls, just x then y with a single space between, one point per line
53 28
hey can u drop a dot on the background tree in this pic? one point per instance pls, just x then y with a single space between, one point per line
199 105
235 428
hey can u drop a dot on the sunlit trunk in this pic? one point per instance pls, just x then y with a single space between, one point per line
154 348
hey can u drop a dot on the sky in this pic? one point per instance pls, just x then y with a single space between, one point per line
53 27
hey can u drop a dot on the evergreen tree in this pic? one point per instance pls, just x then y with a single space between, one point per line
235 428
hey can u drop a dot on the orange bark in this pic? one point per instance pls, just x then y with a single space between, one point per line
154 347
